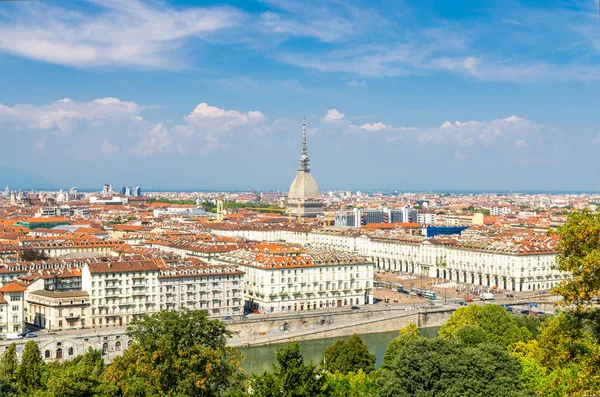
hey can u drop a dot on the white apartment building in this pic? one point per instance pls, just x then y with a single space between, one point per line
218 289
282 278
500 210
485 262
427 218
12 308
524 265
120 290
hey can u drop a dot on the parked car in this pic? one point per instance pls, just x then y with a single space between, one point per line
13 335
31 335
469 299
355 307
255 311
462 303
227 318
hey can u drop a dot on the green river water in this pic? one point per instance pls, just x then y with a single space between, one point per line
260 358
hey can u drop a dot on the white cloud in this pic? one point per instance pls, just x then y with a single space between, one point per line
209 125
333 115
155 141
521 143
64 116
107 148
356 83
379 126
109 125
325 21
118 33
472 133
374 127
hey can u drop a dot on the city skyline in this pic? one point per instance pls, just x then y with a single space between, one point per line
469 96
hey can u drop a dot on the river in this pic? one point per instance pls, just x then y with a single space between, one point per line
260 358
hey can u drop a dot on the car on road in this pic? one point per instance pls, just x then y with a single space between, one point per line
255 311
31 335
469 299
227 318
355 307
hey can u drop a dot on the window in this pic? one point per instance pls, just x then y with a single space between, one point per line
70 351
47 354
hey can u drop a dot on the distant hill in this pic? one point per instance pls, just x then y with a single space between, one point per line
22 179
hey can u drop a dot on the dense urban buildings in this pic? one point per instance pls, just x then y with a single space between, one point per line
82 260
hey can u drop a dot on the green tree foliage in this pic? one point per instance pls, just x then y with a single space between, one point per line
499 326
9 365
291 377
84 376
439 367
29 374
350 356
176 353
407 334
353 384
579 254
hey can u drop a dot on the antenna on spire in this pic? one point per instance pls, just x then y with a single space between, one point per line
303 134
303 163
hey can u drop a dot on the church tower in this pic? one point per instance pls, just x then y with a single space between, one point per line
304 197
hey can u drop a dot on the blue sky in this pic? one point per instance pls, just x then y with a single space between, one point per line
408 95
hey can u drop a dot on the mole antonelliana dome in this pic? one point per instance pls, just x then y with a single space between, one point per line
304 197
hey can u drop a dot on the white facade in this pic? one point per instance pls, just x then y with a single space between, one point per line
311 281
514 271
510 271
12 308
218 289
120 291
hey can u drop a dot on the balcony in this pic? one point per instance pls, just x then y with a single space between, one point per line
72 317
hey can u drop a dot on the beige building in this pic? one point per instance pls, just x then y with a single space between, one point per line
58 310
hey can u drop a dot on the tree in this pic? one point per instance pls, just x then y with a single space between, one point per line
29 374
176 353
290 377
439 367
84 376
499 326
9 365
407 334
29 254
578 250
350 356
353 384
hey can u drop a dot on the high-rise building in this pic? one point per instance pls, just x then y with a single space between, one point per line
304 197
123 190
128 191
137 191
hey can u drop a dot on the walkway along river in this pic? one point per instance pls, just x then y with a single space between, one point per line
260 358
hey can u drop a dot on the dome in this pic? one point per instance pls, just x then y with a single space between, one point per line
304 187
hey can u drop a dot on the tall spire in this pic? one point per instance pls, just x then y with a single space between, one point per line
303 134
303 163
